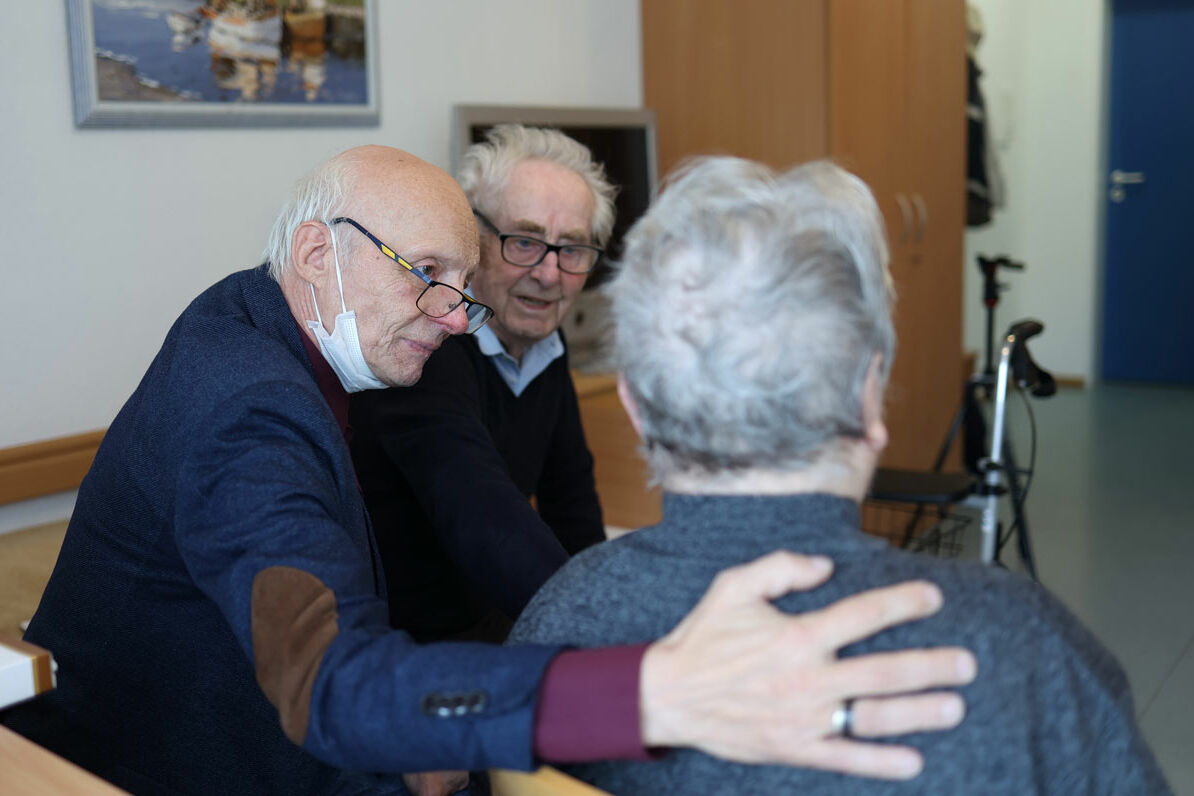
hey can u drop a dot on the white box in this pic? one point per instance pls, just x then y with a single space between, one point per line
26 670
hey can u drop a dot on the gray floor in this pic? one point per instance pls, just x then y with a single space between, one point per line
1111 515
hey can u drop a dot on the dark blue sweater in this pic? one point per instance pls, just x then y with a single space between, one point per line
448 468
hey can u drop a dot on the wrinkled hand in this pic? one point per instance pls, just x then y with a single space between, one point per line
740 679
435 783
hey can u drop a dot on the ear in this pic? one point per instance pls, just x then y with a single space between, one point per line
872 406
310 249
630 405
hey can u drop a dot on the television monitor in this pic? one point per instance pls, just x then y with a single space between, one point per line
622 139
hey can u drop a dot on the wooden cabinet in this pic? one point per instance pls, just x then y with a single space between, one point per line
877 85
739 77
897 119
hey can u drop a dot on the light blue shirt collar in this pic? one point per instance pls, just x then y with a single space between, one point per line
534 360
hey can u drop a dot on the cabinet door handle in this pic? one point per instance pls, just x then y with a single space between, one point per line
922 213
906 213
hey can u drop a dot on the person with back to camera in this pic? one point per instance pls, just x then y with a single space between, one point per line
218 612
753 334
497 407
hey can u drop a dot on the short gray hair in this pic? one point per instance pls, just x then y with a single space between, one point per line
321 195
746 312
485 169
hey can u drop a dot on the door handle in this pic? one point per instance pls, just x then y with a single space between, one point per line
906 212
1127 177
922 214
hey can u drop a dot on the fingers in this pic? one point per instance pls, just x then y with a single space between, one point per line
883 717
770 577
435 783
864 759
876 718
906 671
742 680
861 615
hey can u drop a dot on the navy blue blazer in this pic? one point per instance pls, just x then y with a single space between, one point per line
227 461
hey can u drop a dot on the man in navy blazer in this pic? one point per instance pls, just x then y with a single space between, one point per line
218 611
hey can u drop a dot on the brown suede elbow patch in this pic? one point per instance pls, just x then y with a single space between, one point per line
294 621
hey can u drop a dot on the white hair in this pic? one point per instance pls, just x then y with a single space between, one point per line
321 195
746 312
485 169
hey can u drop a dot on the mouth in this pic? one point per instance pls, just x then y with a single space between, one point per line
533 303
427 349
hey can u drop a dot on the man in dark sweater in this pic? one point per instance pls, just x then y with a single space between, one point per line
766 439
448 467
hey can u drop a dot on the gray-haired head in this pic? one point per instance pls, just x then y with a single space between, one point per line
485 168
320 195
746 312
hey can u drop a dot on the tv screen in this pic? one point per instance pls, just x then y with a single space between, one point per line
622 139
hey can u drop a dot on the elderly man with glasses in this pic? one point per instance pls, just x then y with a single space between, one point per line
218 610
449 467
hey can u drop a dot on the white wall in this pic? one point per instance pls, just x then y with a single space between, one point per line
108 234
1043 82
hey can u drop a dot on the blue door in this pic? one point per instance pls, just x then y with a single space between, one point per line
1148 289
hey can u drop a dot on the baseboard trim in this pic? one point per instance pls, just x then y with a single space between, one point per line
44 468
58 465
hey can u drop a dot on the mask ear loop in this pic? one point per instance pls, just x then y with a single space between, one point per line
339 283
336 257
315 301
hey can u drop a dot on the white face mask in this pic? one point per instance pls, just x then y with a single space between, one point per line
342 348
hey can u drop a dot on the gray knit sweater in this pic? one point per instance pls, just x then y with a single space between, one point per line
1050 711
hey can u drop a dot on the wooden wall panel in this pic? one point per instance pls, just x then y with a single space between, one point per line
620 472
743 78
43 468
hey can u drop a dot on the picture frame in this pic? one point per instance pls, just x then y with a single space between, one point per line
224 63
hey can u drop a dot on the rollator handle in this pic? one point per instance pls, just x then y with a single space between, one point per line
1026 329
1027 374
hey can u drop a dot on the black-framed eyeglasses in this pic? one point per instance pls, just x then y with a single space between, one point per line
523 250
437 299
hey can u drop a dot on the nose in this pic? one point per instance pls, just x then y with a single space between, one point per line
455 322
547 272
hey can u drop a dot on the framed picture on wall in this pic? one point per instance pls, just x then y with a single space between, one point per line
223 63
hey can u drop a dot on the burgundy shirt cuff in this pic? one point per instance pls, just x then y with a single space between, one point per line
588 706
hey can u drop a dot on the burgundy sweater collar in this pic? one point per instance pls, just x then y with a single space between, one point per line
329 384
